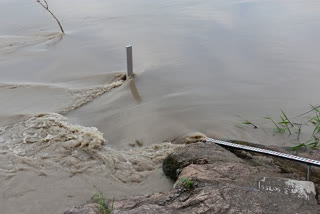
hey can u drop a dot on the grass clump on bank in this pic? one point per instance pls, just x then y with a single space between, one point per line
186 183
100 198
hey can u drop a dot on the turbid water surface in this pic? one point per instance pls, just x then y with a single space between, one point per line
69 123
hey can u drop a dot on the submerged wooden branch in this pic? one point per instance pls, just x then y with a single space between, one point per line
46 7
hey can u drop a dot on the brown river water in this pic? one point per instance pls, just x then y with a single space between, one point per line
68 123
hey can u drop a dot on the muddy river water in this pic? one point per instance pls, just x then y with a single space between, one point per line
69 124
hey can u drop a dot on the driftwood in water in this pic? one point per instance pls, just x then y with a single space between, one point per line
46 7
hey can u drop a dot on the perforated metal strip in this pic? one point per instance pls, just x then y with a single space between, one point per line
265 151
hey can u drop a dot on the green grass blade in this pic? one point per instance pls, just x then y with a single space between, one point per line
315 108
247 122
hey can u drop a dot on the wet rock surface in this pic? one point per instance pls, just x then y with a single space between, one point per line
213 179
199 154
218 198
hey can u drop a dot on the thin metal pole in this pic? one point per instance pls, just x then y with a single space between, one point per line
308 172
129 61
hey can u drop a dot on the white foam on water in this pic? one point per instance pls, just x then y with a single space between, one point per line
49 141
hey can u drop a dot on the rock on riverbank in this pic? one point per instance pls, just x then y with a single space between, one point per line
213 179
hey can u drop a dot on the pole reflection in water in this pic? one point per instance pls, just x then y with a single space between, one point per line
134 91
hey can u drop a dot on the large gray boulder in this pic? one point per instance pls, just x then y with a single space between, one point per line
213 179
218 198
197 153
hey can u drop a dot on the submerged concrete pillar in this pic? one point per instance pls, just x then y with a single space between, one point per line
129 61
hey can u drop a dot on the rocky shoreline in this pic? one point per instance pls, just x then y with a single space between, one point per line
215 179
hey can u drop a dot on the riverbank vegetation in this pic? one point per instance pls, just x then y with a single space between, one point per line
100 198
292 126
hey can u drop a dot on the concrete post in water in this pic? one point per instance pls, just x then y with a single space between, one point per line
129 61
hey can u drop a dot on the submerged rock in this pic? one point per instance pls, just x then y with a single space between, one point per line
189 138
